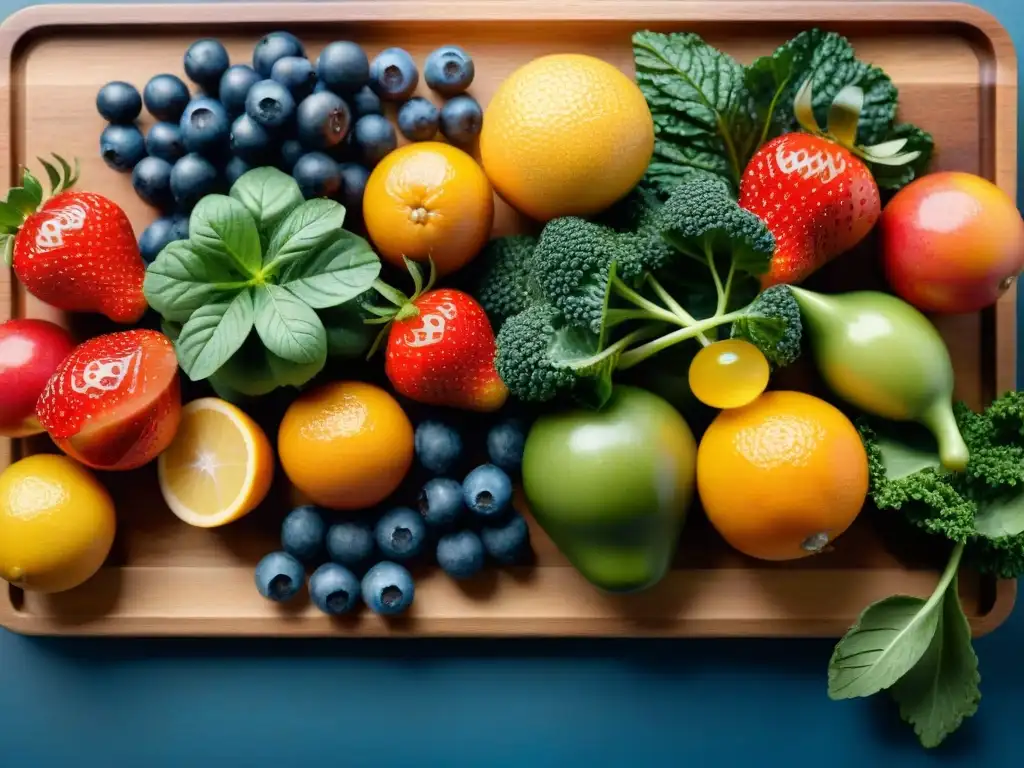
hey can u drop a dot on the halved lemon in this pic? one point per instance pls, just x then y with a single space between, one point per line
219 467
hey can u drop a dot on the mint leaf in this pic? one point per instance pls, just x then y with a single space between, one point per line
269 195
213 334
306 229
704 116
221 230
942 688
336 273
180 281
289 327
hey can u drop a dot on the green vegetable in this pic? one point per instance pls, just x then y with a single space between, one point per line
244 294
920 650
606 295
501 277
711 113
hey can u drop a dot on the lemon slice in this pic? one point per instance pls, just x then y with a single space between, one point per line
219 467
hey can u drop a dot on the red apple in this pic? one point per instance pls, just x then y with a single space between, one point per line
951 242
30 351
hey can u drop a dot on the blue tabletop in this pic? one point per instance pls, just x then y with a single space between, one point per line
453 703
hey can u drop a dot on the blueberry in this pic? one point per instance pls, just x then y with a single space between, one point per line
296 74
235 169
303 533
205 127
461 554
157 235
166 97
438 447
279 576
343 67
350 543
400 533
270 104
122 146
375 138
234 87
192 178
317 175
322 120
393 74
205 63
272 47
487 491
291 151
164 141
334 589
365 102
440 502
388 588
119 102
353 184
461 119
250 140
151 180
449 70
508 543
505 442
418 119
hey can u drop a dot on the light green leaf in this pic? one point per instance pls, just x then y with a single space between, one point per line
942 688
213 334
222 230
269 195
288 326
180 281
905 449
306 229
335 274
1001 515
32 187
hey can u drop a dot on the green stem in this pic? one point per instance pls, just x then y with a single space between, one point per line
641 353
730 148
614 317
719 288
948 577
613 349
771 113
653 310
723 296
675 306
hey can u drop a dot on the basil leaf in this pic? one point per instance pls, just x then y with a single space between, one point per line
704 118
309 227
288 327
942 688
336 273
213 334
269 195
223 231
180 281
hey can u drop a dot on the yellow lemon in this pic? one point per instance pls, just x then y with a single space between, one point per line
219 467
57 524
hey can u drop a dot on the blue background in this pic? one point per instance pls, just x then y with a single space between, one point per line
502 703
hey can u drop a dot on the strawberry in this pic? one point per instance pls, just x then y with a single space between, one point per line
76 251
814 190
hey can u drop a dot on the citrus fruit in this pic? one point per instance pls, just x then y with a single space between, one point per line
728 373
782 477
219 466
428 200
57 523
346 444
566 134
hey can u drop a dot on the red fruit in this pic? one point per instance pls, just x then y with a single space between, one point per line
30 351
951 242
441 352
817 198
115 401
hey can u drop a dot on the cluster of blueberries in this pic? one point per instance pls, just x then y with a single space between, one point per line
321 121
464 524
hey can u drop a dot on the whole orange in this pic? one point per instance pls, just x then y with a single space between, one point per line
783 477
345 444
566 134
428 200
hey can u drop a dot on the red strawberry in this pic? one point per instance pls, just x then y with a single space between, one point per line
76 250
441 352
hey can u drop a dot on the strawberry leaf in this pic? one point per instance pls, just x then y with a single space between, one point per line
51 174
32 188
11 217
7 244
22 200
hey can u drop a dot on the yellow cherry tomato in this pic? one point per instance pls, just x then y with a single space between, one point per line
728 374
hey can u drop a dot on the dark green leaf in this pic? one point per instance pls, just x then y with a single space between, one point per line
180 281
247 373
895 176
213 334
11 217
170 329
22 200
222 230
288 326
269 195
51 174
905 449
347 334
32 188
303 231
288 373
334 274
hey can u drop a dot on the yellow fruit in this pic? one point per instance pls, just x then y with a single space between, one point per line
728 373
219 466
57 524
345 445
566 134
783 477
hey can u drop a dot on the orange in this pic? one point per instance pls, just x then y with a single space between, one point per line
783 477
346 444
428 200
566 134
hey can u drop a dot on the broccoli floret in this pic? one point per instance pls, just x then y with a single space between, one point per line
527 359
772 324
502 283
